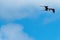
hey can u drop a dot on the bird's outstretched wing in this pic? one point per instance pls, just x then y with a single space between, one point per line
53 10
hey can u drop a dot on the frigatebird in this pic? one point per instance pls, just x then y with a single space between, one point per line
49 9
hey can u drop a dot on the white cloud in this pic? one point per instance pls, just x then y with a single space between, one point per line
16 9
12 9
14 32
18 3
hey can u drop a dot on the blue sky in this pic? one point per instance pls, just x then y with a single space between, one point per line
25 20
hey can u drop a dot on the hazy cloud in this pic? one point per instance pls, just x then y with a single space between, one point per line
19 9
14 32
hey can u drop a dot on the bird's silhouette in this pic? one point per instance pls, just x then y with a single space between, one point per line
46 8
49 9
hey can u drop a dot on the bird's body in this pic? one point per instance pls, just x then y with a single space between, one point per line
46 8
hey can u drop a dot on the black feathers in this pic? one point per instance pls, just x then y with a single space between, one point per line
49 9
46 8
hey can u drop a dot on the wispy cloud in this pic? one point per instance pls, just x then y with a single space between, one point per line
14 32
48 20
51 19
19 9
16 9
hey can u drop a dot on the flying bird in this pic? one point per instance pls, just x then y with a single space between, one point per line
49 9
